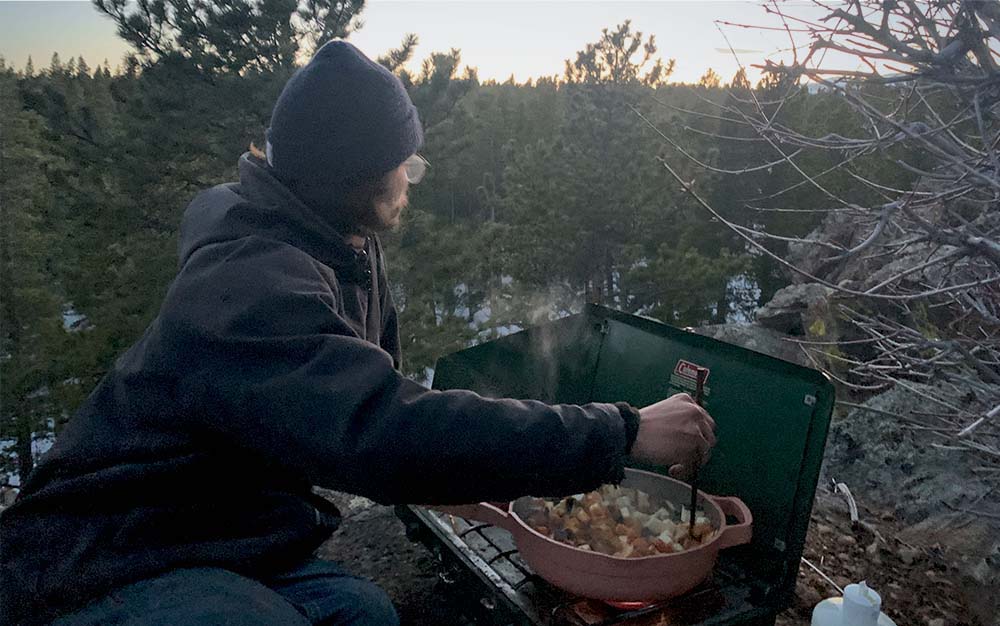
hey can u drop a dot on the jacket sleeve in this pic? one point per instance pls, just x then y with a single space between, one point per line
270 367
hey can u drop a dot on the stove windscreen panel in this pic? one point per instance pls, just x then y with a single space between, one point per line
772 415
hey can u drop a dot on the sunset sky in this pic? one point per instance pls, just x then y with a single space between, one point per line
499 37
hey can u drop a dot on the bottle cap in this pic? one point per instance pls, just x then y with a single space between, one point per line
862 605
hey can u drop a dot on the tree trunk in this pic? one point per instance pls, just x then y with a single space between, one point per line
609 275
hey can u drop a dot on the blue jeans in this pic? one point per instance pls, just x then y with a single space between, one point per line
316 592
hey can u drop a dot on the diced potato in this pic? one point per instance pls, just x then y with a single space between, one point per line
643 501
656 525
620 521
680 532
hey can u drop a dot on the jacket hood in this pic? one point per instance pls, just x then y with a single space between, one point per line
259 205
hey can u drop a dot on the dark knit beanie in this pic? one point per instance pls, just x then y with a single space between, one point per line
340 119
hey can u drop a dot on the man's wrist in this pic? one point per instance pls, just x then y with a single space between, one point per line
630 417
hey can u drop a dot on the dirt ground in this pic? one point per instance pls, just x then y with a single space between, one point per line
917 585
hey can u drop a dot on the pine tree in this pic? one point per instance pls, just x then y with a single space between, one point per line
597 191
740 82
613 60
82 69
710 80
237 36
30 332
395 59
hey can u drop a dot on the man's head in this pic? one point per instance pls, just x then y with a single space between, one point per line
340 137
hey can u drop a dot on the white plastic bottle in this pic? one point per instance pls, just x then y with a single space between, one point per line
860 606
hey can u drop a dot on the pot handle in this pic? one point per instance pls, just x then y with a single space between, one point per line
739 533
495 513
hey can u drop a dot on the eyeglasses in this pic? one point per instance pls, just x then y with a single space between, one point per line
415 168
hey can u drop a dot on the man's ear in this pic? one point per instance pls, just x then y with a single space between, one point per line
257 152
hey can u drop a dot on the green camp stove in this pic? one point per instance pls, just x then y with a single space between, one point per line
772 419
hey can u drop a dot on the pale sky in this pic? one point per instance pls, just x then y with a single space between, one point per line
527 38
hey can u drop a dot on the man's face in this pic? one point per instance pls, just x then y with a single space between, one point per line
389 205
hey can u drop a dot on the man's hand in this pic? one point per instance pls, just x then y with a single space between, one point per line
675 432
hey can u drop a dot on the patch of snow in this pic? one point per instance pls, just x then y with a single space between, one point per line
41 446
72 319
428 377
482 316
41 392
743 293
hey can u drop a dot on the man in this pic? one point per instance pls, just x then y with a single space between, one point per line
180 493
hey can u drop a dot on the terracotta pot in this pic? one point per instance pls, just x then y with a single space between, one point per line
619 579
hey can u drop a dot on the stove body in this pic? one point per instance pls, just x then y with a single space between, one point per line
772 420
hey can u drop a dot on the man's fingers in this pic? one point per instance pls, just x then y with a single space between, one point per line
708 418
707 433
686 397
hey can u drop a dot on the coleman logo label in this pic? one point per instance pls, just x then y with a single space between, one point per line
685 376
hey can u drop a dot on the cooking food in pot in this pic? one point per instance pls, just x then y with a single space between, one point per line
620 521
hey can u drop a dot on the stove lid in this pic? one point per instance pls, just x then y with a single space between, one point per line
772 416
